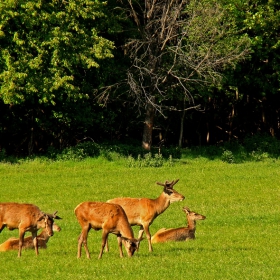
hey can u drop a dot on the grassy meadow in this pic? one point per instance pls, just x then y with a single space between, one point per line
238 240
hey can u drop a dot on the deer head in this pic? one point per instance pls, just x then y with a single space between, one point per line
193 215
172 194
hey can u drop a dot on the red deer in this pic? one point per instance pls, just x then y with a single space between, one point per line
143 211
179 234
109 217
25 217
13 243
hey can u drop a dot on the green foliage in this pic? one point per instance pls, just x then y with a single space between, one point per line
227 156
260 147
44 45
76 153
260 21
55 54
263 143
213 33
147 161
111 152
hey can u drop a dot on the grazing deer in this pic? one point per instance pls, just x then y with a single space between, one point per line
43 238
25 217
109 217
179 234
143 211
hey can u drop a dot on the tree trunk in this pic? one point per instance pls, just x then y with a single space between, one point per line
148 127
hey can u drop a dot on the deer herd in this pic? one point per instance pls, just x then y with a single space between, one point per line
115 216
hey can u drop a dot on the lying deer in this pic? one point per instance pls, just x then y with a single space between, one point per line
25 217
109 217
143 211
179 234
43 238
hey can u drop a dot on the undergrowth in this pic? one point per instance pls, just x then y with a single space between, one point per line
253 148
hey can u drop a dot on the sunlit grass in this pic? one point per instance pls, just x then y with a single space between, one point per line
238 240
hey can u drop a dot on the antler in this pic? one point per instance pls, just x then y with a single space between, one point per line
167 184
54 216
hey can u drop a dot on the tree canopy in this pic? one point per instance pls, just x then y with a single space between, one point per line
192 71
45 45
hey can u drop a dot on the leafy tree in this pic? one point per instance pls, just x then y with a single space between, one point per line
49 59
252 88
179 43
42 45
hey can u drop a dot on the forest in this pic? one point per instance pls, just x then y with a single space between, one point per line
154 73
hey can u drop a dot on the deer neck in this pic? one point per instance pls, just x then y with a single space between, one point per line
126 230
161 203
191 226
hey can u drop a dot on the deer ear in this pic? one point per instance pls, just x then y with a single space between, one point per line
55 216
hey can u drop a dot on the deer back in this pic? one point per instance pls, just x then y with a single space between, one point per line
27 216
172 234
146 209
14 214
106 216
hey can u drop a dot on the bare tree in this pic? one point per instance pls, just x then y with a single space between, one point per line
180 43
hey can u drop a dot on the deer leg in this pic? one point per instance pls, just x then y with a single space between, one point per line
120 245
140 234
141 231
35 242
103 243
148 235
80 241
83 240
107 246
20 242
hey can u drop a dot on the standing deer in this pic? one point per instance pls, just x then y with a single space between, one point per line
25 217
179 234
109 217
43 238
143 211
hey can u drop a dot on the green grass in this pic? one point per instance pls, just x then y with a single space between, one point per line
238 240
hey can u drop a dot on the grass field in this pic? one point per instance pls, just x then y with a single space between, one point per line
238 240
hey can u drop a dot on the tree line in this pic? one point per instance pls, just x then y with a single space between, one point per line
183 72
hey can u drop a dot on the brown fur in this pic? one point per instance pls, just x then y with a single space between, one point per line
143 211
43 238
109 217
179 234
25 217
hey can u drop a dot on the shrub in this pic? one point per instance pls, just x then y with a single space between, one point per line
262 143
227 156
148 160
78 152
